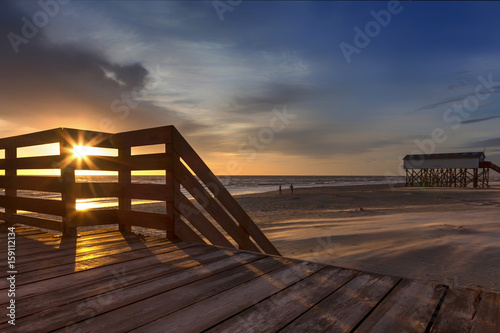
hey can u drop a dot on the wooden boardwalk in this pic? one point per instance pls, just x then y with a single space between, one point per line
108 281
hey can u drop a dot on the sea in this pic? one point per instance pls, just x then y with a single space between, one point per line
236 185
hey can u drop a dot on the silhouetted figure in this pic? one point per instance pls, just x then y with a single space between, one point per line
280 190
291 188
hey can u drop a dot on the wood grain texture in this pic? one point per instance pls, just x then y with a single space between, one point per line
70 264
145 219
346 307
44 206
277 311
457 311
37 162
145 137
107 281
87 249
10 191
149 192
122 276
177 228
32 139
124 181
34 221
487 318
94 162
145 302
204 314
35 183
27 247
188 258
409 308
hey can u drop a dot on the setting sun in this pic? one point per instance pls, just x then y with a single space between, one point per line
84 151
81 151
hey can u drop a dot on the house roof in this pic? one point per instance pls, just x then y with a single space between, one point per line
444 156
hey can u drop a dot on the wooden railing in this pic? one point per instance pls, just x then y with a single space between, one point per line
217 218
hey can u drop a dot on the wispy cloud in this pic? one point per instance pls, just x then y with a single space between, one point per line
471 121
445 102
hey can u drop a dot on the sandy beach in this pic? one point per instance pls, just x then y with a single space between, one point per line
446 235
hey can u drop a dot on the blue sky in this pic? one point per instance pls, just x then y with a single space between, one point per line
117 66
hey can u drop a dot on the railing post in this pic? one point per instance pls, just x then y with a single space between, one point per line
68 193
124 182
172 186
10 173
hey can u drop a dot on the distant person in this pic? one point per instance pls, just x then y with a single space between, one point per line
280 190
291 188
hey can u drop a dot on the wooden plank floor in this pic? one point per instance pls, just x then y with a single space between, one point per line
106 281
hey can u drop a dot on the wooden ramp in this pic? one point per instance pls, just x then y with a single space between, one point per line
109 281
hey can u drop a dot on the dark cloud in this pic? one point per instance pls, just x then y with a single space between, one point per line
188 101
471 121
131 76
271 96
50 85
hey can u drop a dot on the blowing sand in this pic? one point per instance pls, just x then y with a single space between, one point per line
446 235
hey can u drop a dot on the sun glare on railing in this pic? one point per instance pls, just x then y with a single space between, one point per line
81 151
93 203
85 205
84 151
